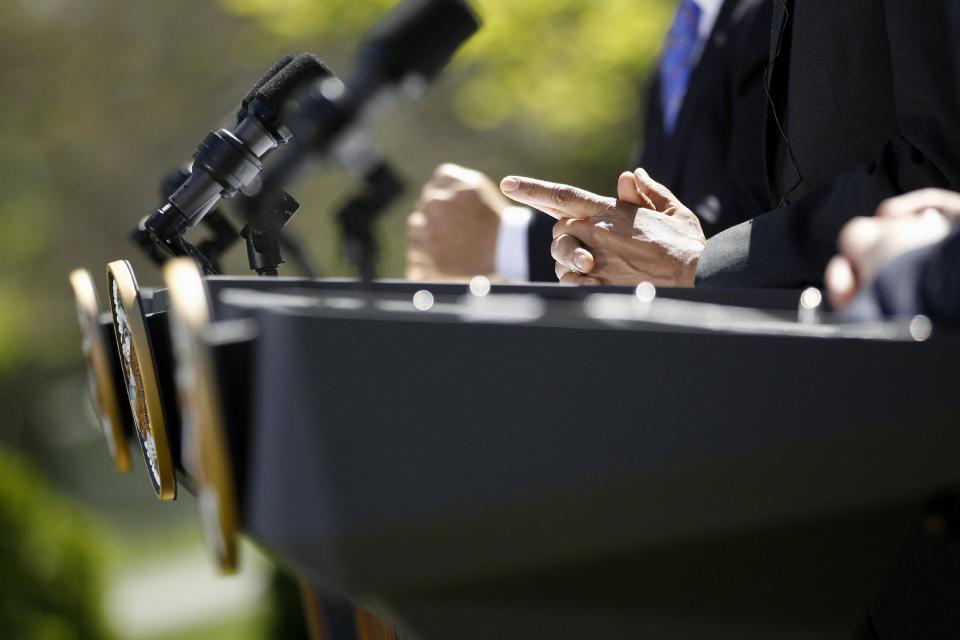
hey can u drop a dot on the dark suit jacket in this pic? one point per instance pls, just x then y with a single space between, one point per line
925 281
713 161
862 108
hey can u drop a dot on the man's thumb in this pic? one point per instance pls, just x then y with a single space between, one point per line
628 190
661 197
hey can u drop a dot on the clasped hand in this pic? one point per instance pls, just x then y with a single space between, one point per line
900 224
644 235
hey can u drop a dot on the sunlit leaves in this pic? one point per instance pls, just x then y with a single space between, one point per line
569 66
49 561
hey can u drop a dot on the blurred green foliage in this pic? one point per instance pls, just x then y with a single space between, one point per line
564 67
108 95
104 97
50 585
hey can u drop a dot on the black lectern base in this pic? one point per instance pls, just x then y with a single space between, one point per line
791 582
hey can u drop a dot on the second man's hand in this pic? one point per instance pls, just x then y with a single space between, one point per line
453 232
643 235
900 224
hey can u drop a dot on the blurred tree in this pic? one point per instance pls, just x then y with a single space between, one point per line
564 67
49 567
104 97
107 95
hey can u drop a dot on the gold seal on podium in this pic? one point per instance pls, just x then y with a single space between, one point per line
140 377
206 453
101 379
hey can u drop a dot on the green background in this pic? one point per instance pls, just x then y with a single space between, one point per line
101 98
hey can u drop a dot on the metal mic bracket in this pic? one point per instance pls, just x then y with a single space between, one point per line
263 235
144 241
208 253
223 235
356 217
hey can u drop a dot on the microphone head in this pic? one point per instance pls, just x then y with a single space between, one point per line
277 66
419 37
279 85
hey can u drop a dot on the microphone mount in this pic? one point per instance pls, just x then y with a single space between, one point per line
356 218
399 57
227 163
264 235
222 233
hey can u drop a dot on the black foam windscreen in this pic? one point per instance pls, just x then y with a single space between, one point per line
274 70
419 37
305 68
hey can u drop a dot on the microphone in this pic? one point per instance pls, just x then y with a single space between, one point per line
228 161
399 55
417 39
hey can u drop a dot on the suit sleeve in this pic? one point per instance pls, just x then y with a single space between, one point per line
539 237
791 246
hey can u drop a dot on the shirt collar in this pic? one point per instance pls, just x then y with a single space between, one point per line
709 10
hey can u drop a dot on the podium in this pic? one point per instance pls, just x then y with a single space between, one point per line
518 462
467 473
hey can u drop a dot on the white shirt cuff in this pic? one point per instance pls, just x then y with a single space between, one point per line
510 260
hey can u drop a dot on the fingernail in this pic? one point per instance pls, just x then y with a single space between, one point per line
578 262
640 173
509 184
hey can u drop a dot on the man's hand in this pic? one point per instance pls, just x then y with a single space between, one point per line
453 232
644 235
900 225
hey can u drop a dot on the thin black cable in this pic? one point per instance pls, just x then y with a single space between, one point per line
776 118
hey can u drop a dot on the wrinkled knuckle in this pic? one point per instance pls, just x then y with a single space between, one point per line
555 247
856 236
560 228
608 206
931 194
445 169
562 196
886 208
467 193
471 177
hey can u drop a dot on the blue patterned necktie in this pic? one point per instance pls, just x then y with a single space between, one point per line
677 61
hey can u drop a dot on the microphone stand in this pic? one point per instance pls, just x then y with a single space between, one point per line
263 233
223 236
357 216
208 253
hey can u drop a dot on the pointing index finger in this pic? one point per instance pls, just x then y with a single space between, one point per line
558 200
